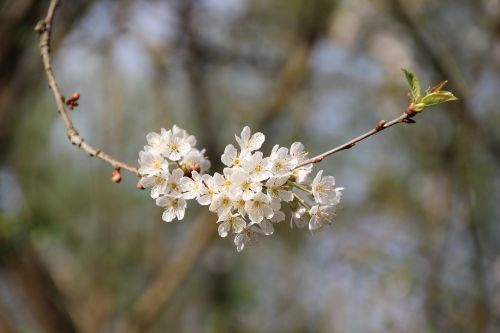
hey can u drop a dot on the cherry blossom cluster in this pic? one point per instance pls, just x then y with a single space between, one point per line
252 193
171 149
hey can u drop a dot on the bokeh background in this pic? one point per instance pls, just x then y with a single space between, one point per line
416 243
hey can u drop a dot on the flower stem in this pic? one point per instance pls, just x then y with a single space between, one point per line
302 202
300 187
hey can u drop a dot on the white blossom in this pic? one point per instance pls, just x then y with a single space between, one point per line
230 222
297 152
151 163
183 135
174 207
175 146
259 207
247 236
321 215
257 167
156 141
267 224
299 217
277 190
193 187
267 227
224 182
280 162
221 204
323 189
240 240
248 142
157 183
242 183
239 205
173 185
211 189
231 158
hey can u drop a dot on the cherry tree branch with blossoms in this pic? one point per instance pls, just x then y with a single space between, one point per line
44 28
248 196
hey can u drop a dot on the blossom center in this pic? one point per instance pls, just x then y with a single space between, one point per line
225 202
245 186
173 146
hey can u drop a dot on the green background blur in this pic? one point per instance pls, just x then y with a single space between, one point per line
416 242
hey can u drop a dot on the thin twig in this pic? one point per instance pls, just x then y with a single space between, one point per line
381 125
44 28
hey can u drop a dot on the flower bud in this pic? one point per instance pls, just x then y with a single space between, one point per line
116 176
190 168
139 185
75 96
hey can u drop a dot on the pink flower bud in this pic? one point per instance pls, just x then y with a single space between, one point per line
75 96
116 176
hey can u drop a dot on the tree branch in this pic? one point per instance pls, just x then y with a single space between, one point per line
44 28
381 125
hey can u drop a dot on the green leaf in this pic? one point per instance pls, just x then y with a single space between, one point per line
437 87
438 97
413 84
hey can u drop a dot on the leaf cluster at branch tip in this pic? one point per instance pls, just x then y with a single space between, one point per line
433 96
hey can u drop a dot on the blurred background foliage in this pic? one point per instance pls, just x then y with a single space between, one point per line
415 246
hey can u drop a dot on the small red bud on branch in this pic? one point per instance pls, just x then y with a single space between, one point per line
116 176
380 125
190 168
72 102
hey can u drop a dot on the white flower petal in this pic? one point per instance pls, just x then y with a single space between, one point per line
267 227
224 229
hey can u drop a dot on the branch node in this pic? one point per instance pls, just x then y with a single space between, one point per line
380 125
41 26
318 159
410 111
